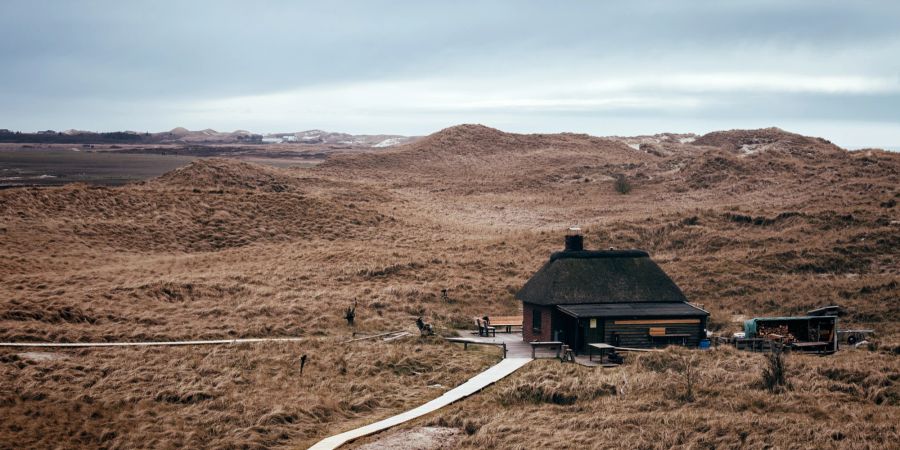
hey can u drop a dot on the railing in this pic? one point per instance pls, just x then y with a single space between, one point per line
465 342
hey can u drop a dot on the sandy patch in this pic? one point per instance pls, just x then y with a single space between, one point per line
421 438
42 356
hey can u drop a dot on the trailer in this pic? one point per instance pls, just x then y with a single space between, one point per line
852 337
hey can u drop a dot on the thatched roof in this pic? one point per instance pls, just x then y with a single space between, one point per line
576 277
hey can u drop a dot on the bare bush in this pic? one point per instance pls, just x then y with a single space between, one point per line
679 362
622 185
774 374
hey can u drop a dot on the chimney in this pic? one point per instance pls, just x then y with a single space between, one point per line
574 240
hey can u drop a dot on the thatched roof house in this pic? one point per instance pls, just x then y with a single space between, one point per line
620 297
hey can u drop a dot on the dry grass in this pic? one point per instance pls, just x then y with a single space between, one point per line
849 401
223 249
247 396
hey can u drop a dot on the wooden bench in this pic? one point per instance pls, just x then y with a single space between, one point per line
507 322
551 344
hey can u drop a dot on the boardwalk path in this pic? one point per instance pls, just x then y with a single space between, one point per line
149 344
518 354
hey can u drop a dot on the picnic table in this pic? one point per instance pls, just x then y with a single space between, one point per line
506 322
599 346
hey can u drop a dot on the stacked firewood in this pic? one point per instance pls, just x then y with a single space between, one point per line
776 332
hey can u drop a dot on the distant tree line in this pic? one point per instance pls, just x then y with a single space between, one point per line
114 137
55 137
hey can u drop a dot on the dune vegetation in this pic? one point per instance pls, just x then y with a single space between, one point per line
747 223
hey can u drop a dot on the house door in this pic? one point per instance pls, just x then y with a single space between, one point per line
567 331
592 331
580 342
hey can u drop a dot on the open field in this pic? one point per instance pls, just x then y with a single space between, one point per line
55 165
746 222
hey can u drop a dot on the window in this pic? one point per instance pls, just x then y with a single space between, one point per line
536 319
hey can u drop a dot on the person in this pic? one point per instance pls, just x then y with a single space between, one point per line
425 329
350 315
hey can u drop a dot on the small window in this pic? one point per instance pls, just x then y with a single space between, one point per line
536 319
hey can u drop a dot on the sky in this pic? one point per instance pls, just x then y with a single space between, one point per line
822 68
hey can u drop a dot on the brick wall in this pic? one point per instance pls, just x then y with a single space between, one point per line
528 332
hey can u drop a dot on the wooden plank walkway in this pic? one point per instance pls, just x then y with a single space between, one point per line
518 357
149 344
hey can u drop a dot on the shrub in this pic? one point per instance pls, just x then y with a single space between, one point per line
622 185
774 375
681 363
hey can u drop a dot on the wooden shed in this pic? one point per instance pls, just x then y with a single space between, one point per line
618 297
803 333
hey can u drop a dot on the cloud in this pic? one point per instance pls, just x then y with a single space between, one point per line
753 82
685 93
413 67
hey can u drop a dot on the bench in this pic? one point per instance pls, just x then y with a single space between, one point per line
507 322
551 344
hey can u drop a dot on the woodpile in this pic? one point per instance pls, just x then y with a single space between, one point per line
776 332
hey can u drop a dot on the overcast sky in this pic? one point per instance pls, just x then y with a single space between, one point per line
824 68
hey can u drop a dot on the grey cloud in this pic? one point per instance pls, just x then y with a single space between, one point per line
87 61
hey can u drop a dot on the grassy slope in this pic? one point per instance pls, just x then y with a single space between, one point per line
850 401
225 249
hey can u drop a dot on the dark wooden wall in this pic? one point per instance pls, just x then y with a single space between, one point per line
638 335
630 334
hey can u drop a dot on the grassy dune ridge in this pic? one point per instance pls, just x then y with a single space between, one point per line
747 222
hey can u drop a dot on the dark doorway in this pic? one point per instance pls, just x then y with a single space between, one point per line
568 332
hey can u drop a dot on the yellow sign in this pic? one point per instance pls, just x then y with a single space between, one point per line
593 323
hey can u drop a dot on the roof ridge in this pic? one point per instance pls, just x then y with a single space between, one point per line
585 254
